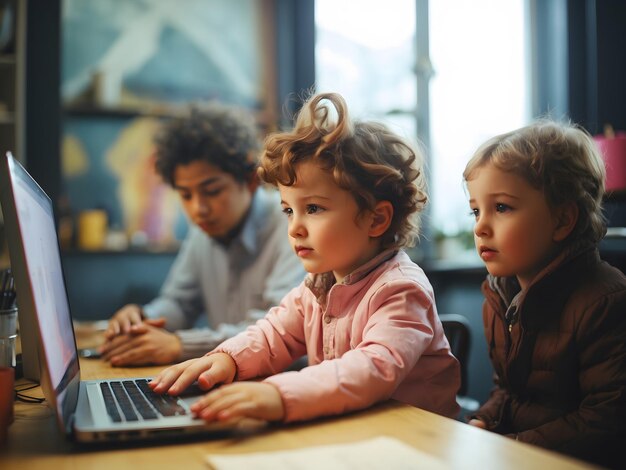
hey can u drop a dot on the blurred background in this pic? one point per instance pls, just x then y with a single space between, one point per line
84 86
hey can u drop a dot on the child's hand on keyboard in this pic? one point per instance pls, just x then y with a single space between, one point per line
209 371
258 400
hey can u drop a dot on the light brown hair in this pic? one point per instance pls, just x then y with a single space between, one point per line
561 160
365 158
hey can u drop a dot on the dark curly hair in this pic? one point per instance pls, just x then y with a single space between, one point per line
223 136
365 158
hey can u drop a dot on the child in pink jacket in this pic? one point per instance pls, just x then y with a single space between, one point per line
365 315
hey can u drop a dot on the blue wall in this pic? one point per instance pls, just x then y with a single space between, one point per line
99 283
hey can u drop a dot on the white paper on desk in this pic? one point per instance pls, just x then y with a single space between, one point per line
374 454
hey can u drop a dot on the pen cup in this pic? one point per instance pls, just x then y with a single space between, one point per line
8 334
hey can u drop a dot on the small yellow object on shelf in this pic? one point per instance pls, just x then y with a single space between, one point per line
92 229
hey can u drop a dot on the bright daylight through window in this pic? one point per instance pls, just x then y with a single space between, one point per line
366 50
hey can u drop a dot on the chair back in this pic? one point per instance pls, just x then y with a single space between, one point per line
457 330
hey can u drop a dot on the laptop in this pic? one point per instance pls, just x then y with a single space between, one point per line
92 410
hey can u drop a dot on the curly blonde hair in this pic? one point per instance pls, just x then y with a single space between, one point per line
559 159
365 158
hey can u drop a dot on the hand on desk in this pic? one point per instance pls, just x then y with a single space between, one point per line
145 343
231 401
479 423
123 320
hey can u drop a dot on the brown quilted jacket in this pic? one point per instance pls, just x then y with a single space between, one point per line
560 367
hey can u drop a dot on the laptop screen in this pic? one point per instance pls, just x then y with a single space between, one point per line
36 260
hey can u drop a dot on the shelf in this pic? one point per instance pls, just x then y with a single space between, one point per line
614 241
119 112
466 266
615 195
165 251
126 112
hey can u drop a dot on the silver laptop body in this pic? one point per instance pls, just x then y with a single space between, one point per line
80 406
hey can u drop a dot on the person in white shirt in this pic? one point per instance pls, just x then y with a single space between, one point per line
235 262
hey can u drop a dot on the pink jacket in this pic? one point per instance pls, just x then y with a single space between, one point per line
374 337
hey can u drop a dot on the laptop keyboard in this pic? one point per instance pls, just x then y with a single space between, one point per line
133 400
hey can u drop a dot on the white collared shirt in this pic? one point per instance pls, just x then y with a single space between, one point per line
232 285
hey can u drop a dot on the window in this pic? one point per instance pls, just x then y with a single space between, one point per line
478 90
479 86
365 51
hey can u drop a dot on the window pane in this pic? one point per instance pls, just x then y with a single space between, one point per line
479 90
365 51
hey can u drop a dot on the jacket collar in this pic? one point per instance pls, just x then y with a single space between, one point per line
508 287
539 305
548 291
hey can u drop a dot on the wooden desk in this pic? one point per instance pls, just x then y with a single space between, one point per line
34 441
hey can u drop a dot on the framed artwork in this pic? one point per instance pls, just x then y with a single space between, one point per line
122 53
129 64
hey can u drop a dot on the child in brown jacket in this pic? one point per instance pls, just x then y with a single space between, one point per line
554 313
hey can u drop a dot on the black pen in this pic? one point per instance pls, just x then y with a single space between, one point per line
7 290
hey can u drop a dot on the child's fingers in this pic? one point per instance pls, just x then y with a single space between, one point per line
191 372
175 379
222 370
239 409
240 400
221 408
211 377
212 399
166 378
